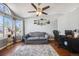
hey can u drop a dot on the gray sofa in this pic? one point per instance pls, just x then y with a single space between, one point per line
36 37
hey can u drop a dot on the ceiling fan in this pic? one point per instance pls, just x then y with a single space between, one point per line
39 10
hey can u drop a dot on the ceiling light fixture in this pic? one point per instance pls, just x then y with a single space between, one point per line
39 10
38 13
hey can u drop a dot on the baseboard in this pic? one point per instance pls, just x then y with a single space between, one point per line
3 47
6 45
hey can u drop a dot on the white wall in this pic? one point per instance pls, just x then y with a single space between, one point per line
69 21
48 28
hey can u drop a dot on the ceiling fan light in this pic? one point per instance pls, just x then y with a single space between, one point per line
40 13
37 12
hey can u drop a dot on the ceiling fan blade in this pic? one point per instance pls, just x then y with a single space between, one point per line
44 13
34 6
45 8
31 11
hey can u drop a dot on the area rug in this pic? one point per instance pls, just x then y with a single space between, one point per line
35 50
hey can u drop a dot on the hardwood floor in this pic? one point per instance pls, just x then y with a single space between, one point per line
10 49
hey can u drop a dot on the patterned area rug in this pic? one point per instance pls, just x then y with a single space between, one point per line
35 50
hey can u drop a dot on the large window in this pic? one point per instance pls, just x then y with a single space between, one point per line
7 22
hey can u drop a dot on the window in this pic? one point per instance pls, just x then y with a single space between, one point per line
8 22
5 22
1 26
19 27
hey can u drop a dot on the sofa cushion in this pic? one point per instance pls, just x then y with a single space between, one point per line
37 34
42 37
33 38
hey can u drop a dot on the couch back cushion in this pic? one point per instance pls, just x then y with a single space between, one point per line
37 34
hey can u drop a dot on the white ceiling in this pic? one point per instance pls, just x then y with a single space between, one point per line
56 9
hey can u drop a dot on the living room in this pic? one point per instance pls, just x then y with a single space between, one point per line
30 27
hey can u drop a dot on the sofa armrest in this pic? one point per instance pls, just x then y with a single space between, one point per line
23 37
26 36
